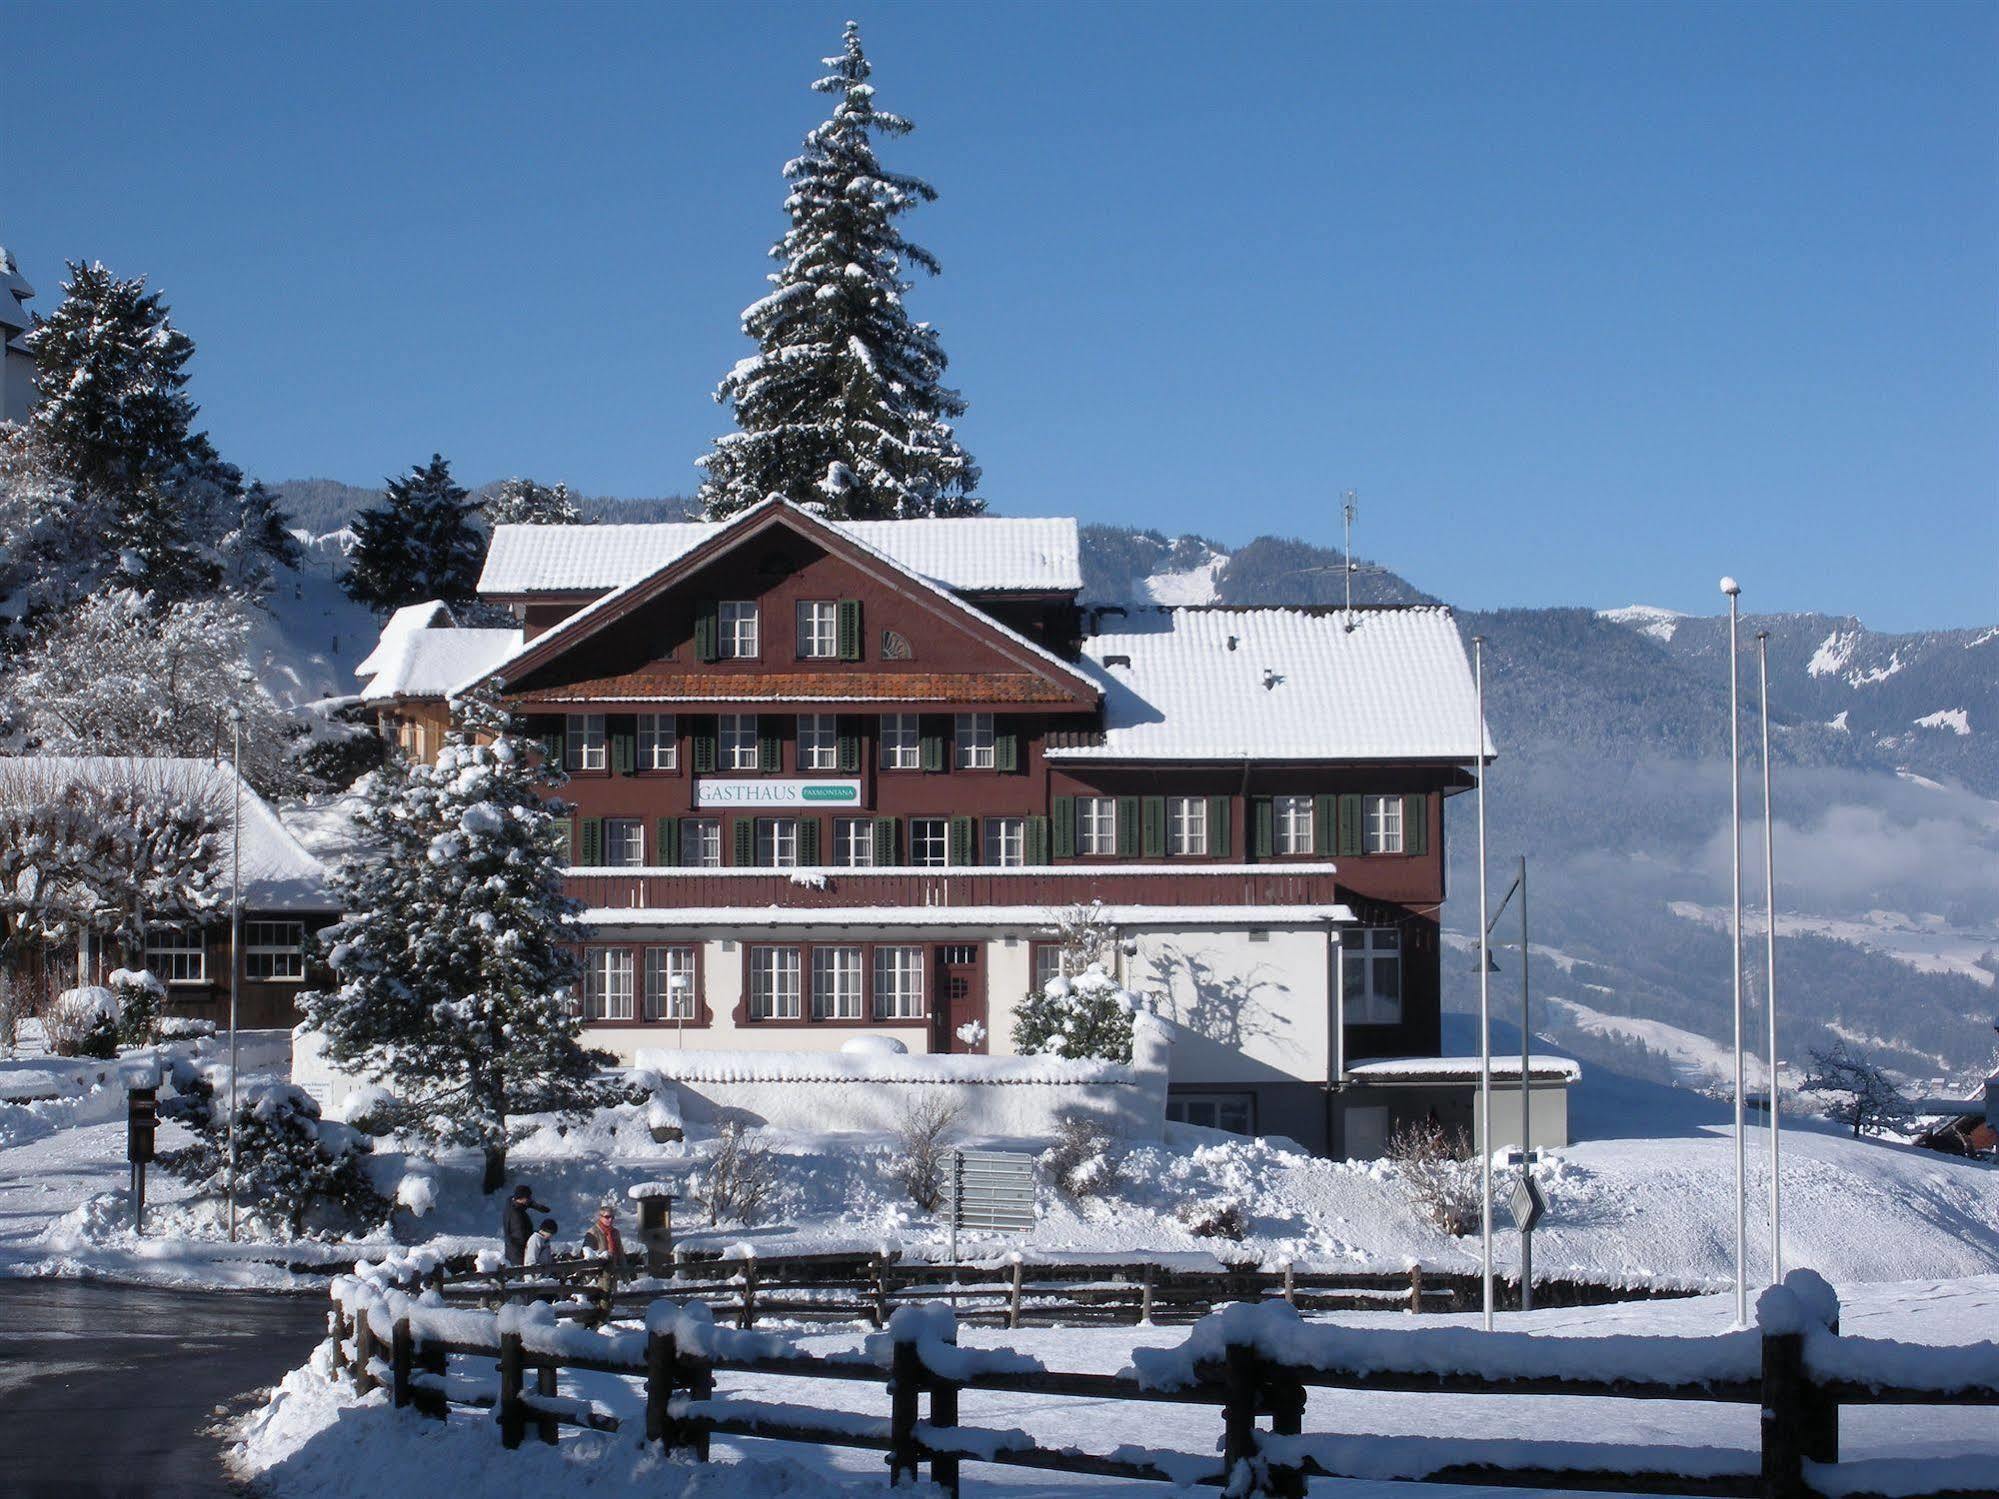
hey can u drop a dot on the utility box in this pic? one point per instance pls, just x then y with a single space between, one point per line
656 1226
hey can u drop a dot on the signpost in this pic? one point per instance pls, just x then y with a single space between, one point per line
142 1120
1527 1206
992 1190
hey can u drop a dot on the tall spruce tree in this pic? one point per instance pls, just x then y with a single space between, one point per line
453 962
523 502
418 544
843 404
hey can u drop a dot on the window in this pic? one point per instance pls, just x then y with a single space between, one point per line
736 629
898 983
1006 841
902 742
274 951
975 741
1186 824
854 842
659 741
736 741
818 741
701 843
624 842
1365 1128
1291 824
1229 1111
836 983
774 983
177 954
607 984
1372 958
929 842
819 630
586 741
1383 821
1050 958
777 842
1096 824
670 984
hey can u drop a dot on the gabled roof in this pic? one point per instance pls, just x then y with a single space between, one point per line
430 663
840 540
436 614
969 554
1203 683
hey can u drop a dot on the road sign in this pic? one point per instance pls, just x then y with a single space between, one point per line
1526 1203
990 1190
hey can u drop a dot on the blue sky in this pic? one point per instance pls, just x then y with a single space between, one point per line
1591 303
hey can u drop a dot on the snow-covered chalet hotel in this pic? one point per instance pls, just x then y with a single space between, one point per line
834 776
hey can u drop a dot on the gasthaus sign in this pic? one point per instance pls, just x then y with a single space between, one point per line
776 792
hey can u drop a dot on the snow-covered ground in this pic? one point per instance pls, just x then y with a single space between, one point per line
1927 942
313 1438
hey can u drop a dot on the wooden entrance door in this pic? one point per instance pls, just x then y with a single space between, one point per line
961 998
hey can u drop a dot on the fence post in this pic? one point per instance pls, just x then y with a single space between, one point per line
1013 1301
697 1377
1820 1429
364 1352
399 1363
1416 1288
432 1402
545 1422
1239 1419
1290 1284
336 1324
944 1416
905 1380
660 1351
513 1416
1287 1419
1145 1298
1784 1415
748 1318
879 1266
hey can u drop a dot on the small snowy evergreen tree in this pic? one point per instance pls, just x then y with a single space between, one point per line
1865 1096
1083 1012
258 544
844 403
454 966
523 502
418 544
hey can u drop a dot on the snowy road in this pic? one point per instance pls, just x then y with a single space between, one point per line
110 1390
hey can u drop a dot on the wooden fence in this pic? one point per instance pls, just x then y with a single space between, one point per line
1795 1368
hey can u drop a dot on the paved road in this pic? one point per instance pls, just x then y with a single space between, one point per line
114 1391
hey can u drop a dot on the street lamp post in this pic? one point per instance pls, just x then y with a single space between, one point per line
1770 958
235 935
1734 591
1484 1004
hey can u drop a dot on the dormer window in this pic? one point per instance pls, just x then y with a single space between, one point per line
586 741
818 630
975 741
737 634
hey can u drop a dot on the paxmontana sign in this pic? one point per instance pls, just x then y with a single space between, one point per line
773 792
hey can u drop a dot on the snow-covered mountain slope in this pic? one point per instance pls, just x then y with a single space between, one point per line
310 635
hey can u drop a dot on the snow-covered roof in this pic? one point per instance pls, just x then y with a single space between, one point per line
1280 684
1463 1069
406 621
434 663
1026 917
969 554
279 874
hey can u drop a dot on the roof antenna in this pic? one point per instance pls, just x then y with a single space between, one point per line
1349 507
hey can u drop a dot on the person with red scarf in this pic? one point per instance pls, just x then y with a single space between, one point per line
603 1239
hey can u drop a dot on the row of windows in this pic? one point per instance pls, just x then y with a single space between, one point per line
791 842
740 740
273 952
838 981
824 630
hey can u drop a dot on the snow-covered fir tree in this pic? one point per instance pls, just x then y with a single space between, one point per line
523 502
1083 1011
843 404
260 546
418 544
453 966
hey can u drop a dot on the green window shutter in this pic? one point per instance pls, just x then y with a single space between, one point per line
704 746
1218 826
1127 826
1037 840
707 634
593 841
770 745
1154 843
808 840
551 747
565 847
885 840
1351 841
1416 824
1063 825
1264 812
961 841
746 842
666 843
932 744
850 747
1006 751
624 753
849 614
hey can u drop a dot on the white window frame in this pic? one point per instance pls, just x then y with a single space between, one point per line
917 842
1291 830
818 741
738 630
1209 1110
1381 817
818 630
901 741
854 842
281 957
588 746
608 984
973 738
624 842
774 983
659 741
1006 842
777 842
704 849
1368 954
738 742
663 965
1187 826
1096 825
169 946
898 986
838 979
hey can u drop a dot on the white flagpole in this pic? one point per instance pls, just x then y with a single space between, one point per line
235 936
1484 1004
1770 958
1734 591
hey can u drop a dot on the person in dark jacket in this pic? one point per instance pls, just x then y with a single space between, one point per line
516 1227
